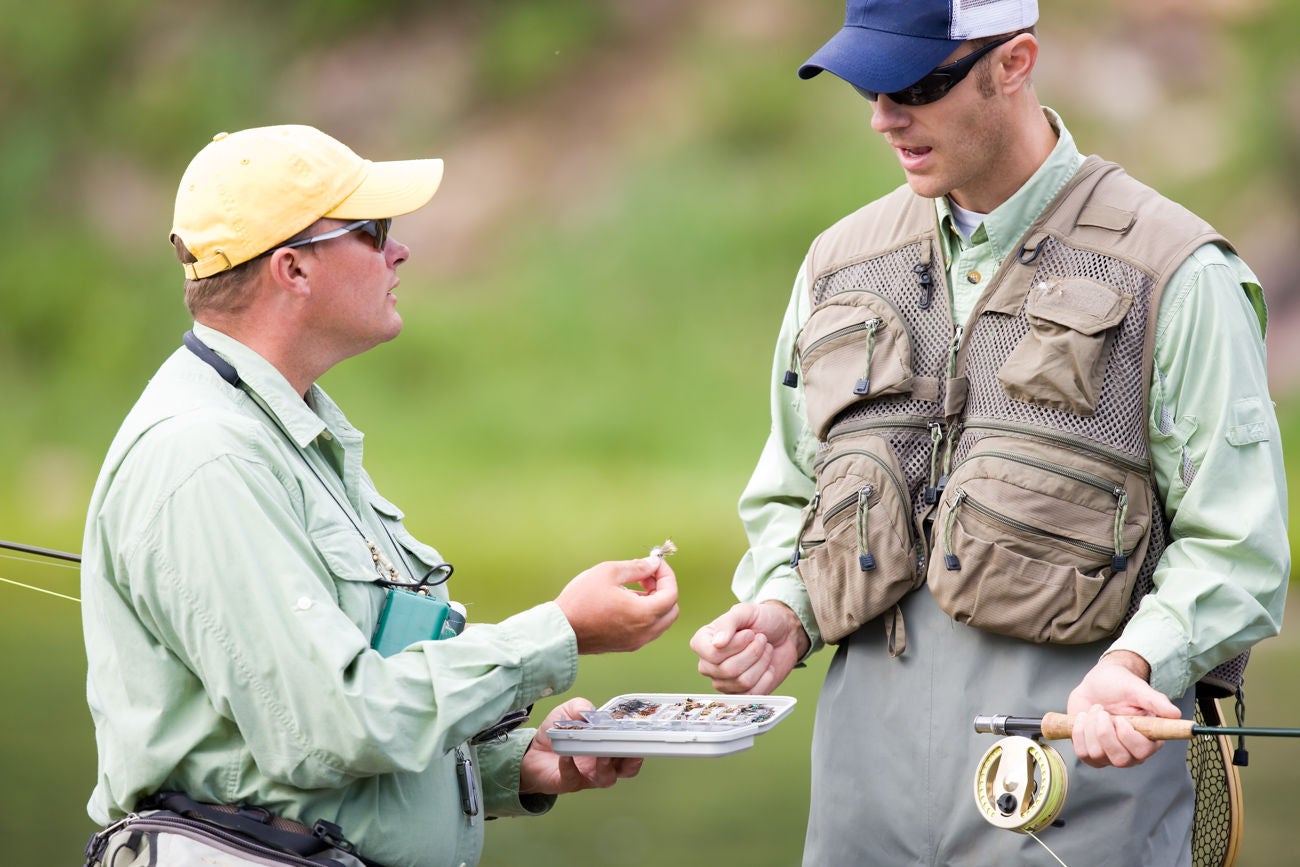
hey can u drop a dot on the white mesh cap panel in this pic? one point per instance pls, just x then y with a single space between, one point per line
972 19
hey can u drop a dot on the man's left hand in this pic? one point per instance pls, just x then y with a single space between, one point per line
543 771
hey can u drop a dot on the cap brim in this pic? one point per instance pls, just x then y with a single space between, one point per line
391 189
878 61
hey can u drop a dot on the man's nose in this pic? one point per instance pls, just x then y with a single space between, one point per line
887 115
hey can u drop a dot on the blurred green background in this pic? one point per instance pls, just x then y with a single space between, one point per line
589 308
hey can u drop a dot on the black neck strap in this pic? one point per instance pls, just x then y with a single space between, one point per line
227 371
223 368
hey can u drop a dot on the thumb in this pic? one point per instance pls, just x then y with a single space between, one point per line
1160 705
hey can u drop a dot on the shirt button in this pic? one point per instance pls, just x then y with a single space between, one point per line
325 435
973 277
304 602
547 692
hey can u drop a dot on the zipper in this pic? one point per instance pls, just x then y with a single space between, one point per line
1118 557
99 842
836 510
838 333
1105 453
899 488
862 500
915 422
954 346
871 326
1083 476
935 486
241 845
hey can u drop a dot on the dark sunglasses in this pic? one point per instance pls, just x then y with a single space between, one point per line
376 229
941 80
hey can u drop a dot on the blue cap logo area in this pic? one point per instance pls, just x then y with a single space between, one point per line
888 45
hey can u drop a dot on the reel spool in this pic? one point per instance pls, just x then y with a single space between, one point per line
1020 785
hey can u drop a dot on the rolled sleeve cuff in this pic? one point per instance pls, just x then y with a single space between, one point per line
547 648
1164 646
499 764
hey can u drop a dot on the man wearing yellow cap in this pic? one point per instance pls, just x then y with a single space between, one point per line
240 568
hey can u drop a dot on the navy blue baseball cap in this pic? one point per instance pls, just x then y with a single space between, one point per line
888 45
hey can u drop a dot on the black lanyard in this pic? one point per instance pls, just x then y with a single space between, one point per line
227 372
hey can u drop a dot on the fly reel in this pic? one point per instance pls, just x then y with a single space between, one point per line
1020 785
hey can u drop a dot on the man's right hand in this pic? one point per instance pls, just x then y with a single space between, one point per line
751 648
608 616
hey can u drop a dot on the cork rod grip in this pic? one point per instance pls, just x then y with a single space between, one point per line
1058 726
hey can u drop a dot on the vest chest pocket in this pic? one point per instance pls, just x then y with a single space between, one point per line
1060 363
856 555
854 347
1039 543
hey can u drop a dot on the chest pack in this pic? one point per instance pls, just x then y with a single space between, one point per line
1005 463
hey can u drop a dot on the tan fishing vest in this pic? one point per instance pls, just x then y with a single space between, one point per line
1005 464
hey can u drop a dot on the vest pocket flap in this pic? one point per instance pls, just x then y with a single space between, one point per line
1079 303
855 347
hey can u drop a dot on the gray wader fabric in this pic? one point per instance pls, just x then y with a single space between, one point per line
895 753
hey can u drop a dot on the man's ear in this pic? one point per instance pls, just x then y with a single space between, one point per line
1016 62
288 268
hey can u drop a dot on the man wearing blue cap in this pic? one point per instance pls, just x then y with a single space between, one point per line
1022 456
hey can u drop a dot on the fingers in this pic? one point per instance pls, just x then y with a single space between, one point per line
1102 740
601 772
608 616
746 670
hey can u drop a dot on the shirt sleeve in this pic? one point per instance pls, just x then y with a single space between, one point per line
781 486
242 597
1216 448
500 762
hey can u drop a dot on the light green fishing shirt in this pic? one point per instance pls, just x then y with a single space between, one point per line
229 602
1215 446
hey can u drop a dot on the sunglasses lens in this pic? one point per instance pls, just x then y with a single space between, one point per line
929 89
381 232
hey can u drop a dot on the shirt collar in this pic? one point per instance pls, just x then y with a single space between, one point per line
1007 223
303 420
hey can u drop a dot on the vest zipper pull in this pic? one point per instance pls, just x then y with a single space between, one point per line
950 561
807 522
953 347
932 489
950 445
866 561
863 385
791 379
1119 562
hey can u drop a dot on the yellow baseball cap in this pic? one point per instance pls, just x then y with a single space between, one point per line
248 191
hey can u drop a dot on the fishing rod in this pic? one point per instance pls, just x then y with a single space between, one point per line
1059 726
42 552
